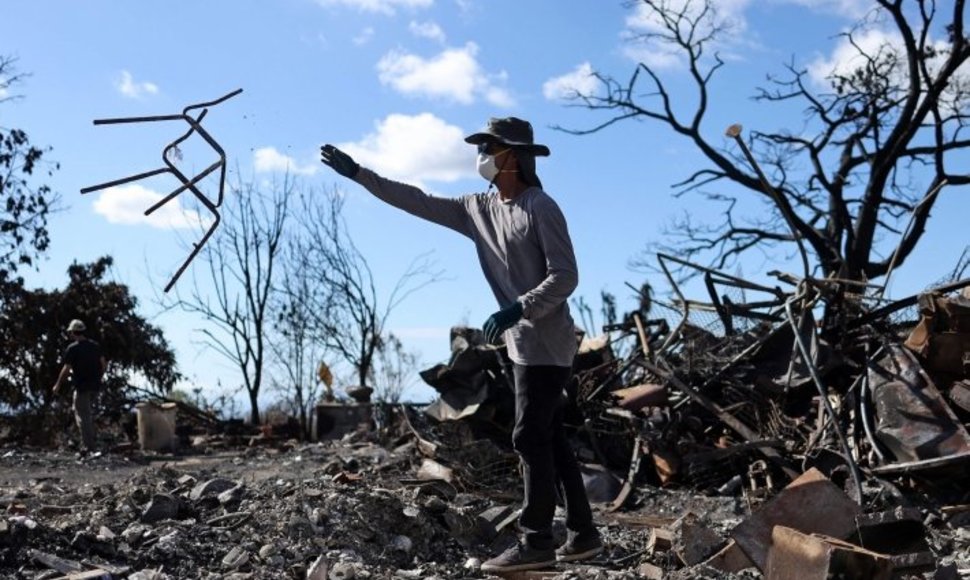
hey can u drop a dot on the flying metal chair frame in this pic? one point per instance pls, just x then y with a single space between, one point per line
187 184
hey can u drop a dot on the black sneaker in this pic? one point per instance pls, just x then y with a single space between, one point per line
520 557
579 547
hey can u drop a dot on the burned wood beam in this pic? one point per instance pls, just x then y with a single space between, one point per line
730 420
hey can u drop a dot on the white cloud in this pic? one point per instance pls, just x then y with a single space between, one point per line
847 57
644 29
454 74
853 9
645 22
429 30
269 160
364 37
578 82
127 86
415 149
126 204
730 15
388 7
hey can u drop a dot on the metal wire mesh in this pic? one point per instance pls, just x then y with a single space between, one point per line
485 466
479 464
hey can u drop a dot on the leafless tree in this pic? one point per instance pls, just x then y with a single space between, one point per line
233 285
396 370
298 352
349 316
856 184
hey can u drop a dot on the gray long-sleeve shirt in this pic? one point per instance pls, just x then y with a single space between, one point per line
525 252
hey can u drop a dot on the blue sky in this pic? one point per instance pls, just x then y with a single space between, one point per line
398 83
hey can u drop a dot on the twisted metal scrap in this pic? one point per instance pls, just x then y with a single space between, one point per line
187 183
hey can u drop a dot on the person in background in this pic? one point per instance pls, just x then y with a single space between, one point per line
85 364
527 257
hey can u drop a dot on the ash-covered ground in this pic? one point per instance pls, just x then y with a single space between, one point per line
329 510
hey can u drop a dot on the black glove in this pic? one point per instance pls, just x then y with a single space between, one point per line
501 321
338 161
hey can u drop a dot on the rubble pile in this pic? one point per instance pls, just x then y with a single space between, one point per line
737 437
262 514
745 396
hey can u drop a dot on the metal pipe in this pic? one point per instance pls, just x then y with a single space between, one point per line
912 218
683 321
734 131
864 410
806 355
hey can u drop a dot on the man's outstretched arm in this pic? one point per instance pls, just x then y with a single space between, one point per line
444 211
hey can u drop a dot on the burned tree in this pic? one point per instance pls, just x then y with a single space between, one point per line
348 315
397 369
24 204
298 353
32 340
878 145
238 282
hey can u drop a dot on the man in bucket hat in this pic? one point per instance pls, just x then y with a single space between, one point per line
527 257
85 363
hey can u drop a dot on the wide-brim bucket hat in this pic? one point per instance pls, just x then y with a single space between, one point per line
511 131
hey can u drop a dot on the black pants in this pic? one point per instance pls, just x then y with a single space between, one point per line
547 459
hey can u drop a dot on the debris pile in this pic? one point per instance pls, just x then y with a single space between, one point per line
732 438
746 398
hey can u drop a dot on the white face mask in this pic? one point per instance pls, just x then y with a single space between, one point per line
487 167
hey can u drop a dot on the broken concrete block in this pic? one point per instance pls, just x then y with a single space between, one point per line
661 540
798 556
235 559
431 469
319 569
162 507
694 541
213 487
231 495
342 571
810 504
490 519
135 532
650 572
148 575
731 558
